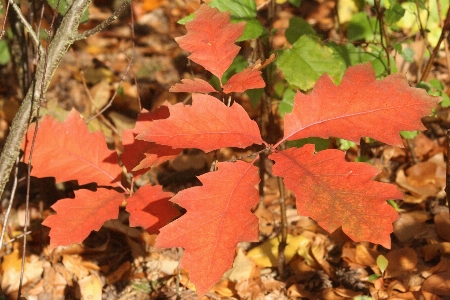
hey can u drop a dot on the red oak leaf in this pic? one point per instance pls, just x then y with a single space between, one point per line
245 80
207 124
68 151
360 106
76 218
152 160
150 208
218 217
139 154
337 193
210 39
195 85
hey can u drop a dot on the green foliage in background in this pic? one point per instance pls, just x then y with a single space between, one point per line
64 6
312 58
241 11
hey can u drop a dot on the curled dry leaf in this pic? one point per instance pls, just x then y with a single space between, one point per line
410 225
424 179
442 224
438 284
401 261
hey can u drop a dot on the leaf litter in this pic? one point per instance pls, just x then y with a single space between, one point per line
119 262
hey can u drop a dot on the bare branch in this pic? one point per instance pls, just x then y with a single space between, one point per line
63 39
105 23
28 27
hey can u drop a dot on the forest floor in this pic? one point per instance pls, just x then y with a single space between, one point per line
120 262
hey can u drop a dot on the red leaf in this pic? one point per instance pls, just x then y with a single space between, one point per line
360 106
192 86
218 217
210 39
150 208
141 154
76 218
152 160
245 80
337 193
207 124
68 151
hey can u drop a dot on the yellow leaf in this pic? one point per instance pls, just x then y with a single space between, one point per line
266 254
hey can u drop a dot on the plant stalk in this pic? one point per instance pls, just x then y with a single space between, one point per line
444 34
447 175
284 228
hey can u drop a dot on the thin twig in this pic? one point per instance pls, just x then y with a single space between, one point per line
384 38
105 23
2 33
447 175
441 22
91 100
444 33
11 200
262 5
284 227
115 92
18 237
28 27
38 55
57 48
133 49
27 203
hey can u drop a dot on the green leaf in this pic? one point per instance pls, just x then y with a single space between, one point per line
186 19
394 14
64 6
408 54
345 144
361 27
239 64
320 144
255 95
445 101
437 85
350 55
379 63
394 205
242 11
382 263
296 3
374 277
409 134
298 27
287 103
363 158
307 61
362 298
5 57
